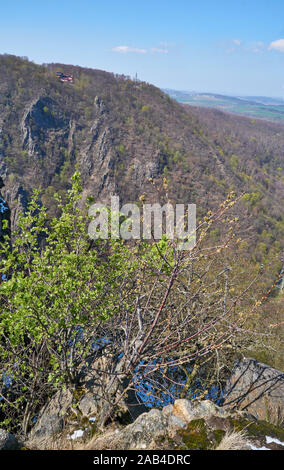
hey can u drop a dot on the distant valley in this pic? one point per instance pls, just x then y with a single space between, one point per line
260 107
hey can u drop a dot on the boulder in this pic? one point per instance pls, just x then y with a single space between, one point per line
88 405
8 441
100 390
258 389
142 434
187 410
52 417
191 425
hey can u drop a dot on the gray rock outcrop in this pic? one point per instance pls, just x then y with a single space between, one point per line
184 425
8 441
52 417
258 389
192 425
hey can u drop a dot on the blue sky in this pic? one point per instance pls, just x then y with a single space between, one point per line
232 46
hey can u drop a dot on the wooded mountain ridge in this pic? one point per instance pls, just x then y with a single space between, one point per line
123 135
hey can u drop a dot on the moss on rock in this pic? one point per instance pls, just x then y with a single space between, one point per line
195 436
218 436
258 429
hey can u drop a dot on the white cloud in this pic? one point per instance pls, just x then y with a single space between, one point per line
234 45
277 45
159 50
125 49
256 47
230 45
167 44
153 50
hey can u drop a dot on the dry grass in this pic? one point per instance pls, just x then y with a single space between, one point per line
234 440
56 442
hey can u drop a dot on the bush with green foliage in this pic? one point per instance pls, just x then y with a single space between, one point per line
170 321
53 300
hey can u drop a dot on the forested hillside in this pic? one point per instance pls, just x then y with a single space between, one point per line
123 134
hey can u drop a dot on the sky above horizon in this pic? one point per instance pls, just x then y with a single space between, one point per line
223 46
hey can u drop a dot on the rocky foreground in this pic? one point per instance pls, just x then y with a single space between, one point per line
251 418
